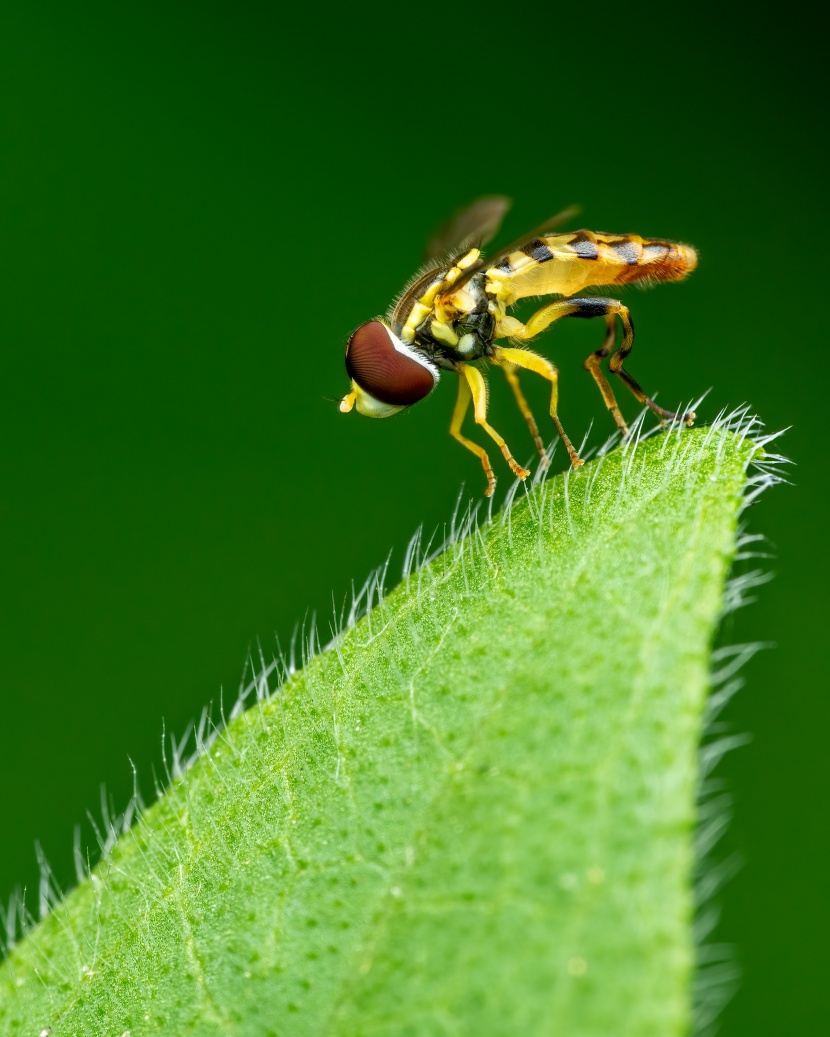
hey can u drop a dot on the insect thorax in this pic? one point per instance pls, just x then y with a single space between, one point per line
457 327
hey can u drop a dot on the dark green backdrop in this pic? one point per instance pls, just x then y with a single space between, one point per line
198 201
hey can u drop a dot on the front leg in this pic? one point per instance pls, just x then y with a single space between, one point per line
478 389
462 404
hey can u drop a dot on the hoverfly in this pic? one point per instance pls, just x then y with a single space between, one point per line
455 308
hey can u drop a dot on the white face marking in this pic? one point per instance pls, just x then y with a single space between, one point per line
413 354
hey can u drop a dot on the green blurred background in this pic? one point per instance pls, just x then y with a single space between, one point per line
198 201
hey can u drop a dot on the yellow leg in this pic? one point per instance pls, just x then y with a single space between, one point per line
539 364
597 307
513 382
461 405
592 366
478 391
615 364
543 319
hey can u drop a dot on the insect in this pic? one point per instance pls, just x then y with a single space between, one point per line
451 314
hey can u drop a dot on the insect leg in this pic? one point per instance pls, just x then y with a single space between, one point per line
592 365
541 365
478 389
513 382
461 404
615 364
597 307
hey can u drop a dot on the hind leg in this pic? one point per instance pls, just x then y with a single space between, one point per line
610 309
615 365
593 366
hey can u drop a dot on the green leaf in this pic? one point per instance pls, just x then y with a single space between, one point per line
474 814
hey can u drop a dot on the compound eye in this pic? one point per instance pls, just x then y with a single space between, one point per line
387 369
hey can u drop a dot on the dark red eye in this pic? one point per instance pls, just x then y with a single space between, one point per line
390 374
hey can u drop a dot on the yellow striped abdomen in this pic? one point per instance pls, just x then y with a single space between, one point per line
565 264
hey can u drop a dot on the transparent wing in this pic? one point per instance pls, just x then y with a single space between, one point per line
476 224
